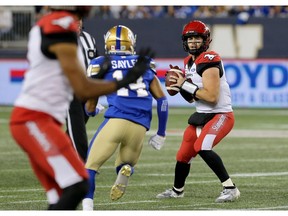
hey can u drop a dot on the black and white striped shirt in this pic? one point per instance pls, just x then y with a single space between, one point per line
88 47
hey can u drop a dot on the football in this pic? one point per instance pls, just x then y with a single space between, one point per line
170 81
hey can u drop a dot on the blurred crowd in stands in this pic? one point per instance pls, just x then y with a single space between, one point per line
16 21
182 12
146 12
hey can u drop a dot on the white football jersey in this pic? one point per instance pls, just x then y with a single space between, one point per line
204 61
46 88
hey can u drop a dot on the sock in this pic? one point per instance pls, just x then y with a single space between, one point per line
181 172
71 196
53 195
215 163
228 184
118 168
92 179
178 191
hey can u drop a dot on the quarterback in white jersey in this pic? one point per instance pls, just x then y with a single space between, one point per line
194 74
204 84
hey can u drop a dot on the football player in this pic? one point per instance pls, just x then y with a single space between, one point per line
55 72
128 115
205 84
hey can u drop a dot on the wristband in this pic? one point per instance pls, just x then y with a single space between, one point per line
190 87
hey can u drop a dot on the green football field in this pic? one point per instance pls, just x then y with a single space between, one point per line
255 154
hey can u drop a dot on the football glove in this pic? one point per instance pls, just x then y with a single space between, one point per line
140 67
98 109
157 141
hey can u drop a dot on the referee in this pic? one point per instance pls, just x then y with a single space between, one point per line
76 116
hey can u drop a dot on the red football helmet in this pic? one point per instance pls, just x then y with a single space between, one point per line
196 28
82 11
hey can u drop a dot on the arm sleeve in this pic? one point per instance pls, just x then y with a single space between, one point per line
187 96
162 111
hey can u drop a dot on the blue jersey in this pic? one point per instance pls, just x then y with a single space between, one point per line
133 102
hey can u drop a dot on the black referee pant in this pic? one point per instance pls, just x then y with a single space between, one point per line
76 127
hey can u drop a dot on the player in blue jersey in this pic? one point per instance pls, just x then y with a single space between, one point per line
128 115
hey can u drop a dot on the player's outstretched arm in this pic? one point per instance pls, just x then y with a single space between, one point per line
157 141
86 88
140 67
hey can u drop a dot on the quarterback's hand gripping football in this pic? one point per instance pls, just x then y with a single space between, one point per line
170 80
156 141
174 68
140 67
178 80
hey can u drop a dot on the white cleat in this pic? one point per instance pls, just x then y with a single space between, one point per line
169 194
228 195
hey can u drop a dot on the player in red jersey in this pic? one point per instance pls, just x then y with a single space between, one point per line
204 84
56 71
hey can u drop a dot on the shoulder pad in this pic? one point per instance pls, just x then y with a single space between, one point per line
94 66
187 59
208 57
58 22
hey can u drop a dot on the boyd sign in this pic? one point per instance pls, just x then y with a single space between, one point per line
262 83
253 83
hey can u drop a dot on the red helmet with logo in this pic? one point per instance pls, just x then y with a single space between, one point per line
196 28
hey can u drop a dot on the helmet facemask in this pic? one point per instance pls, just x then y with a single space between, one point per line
204 46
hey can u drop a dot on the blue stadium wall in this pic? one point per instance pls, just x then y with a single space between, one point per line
259 81
164 35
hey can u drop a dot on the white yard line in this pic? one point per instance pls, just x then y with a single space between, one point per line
4 121
259 133
239 175
237 133
242 133
234 133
